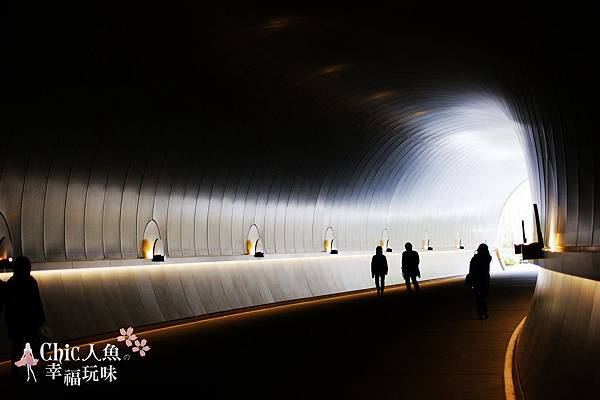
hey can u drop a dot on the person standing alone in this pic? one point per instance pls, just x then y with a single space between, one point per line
24 312
379 269
410 267
479 278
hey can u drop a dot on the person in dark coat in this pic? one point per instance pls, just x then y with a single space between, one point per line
24 313
379 269
410 267
479 278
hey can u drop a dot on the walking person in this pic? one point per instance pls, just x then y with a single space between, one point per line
410 267
479 278
379 269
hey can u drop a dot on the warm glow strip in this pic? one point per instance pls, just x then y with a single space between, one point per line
6 275
509 386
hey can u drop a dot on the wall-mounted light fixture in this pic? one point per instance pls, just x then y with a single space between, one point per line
427 242
459 244
328 241
151 238
254 244
334 249
384 242
258 249
158 251
147 249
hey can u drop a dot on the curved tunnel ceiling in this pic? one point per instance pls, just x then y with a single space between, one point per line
294 123
334 124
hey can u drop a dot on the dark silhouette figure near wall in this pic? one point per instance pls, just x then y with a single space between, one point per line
410 267
24 313
379 269
479 278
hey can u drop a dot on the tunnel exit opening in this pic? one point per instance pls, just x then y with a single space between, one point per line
463 159
516 224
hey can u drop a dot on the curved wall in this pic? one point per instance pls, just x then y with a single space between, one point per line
92 200
213 122
554 115
272 130
558 348
92 301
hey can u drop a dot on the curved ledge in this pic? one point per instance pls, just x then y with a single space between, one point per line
90 302
583 264
511 373
558 349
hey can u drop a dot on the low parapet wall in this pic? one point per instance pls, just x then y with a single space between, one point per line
559 347
93 301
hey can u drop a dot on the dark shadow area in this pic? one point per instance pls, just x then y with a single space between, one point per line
361 346
24 313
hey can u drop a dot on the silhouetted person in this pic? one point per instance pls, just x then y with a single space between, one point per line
410 267
479 278
24 314
379 269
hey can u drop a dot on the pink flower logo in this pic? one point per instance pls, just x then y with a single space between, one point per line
127 336
141 347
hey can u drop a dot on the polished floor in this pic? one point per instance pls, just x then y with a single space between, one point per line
354 346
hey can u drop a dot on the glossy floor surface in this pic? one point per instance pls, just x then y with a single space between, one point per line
351 346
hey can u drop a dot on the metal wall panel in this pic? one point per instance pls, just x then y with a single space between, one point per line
75 204
113 202
148 195
271 213
188 212
300 204
54 207
32 212
175 212
239 230
214 211
201 213
225 215
281 245
561 330
94 201
163 196
265 185
250 200
309 242
391 179
128 212
14 170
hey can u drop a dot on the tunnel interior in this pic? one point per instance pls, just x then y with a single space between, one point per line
215 131
384 131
